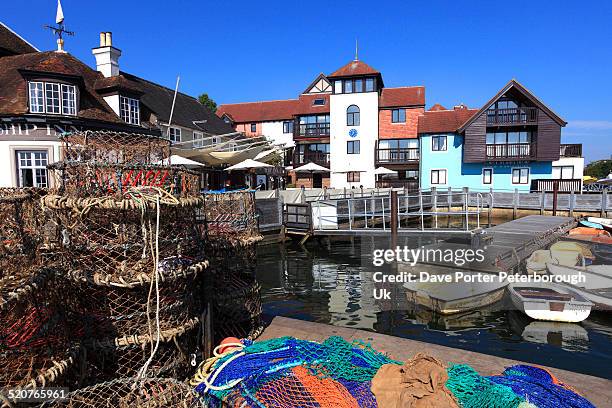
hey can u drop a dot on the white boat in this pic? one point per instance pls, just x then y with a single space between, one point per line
604 222
536 263
550 302
597 285
455 297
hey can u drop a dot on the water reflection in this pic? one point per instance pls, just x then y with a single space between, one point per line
327 283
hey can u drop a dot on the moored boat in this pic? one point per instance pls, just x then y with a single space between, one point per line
455 297
590 224
550 302
606 223
597 285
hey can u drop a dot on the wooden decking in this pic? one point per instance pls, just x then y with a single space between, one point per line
596 389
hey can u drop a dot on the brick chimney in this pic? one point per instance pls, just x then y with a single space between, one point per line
107 56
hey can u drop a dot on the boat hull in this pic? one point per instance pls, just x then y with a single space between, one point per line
449 307
568 311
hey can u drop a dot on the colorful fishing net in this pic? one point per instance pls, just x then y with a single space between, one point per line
518 386
287 372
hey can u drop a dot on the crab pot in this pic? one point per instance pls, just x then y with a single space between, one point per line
127 392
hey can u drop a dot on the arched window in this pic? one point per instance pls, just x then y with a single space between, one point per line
352 115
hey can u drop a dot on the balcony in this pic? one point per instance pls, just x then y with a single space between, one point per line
409 185
312 130
511 151
570 150
319 158
397 155
512 116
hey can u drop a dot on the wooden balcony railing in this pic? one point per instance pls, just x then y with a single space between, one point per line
512 116
564 185
396 155
410 185
312 130
571 150
319 158
511 151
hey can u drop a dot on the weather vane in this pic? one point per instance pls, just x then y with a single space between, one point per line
60 29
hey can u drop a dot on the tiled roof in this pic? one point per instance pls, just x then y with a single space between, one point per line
118 82
441 121
260 111
12 44
305 104
186 110
354 68
13 92
437 107
405 96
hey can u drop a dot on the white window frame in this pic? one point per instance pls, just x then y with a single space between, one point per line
37 165
520 175
490 177
69 100
445 143
174 134
561 171
215 140
437 183
36 91
129 109
197 139
53 98
288 125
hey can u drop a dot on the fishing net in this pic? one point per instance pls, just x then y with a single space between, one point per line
125 356
231 219
517 386
122 238
107 306
101 146
289 372
78 179
28 369
129 393
20 228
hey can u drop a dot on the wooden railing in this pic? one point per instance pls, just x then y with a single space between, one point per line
397 155
570 150
511 151
409 185
309 156
564 186
312 130
512 116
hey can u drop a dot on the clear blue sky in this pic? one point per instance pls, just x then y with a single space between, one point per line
462 51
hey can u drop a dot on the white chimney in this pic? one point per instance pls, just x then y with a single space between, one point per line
107 56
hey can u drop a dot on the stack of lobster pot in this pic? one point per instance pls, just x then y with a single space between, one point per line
131 247
231 240
34 347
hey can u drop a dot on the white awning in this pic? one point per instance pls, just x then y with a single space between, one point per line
248 164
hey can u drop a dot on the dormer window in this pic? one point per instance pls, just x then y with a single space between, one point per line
52 98
130 110
318 102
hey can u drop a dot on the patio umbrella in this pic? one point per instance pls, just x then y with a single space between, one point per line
311 168
607 180
176 159
383 171
248 165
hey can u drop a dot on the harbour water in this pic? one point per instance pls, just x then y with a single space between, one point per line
329 283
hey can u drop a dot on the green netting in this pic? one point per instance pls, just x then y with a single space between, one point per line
475 391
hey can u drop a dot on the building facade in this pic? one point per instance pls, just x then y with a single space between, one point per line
45 94
349 122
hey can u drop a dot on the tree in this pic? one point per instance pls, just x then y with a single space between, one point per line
208 102
599 169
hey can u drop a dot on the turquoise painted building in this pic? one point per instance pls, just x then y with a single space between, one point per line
442 166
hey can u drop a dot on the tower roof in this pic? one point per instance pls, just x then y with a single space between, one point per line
354 68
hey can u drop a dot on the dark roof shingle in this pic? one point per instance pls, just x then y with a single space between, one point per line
12 44
354 68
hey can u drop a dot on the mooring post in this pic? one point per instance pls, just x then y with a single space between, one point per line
555 194
449 200
604 203
571 203
434 204
515 199
465 222
394 212
542 201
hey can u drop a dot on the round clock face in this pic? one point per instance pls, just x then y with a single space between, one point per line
353 133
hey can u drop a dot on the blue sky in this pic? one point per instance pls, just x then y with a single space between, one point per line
462 51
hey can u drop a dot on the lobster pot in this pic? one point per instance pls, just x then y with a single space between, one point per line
237 307
31 314
231 258
128 392
110 147
27 369
19 230
108 307
231 218
123 238
125 356
93 179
